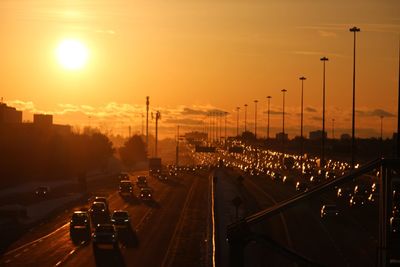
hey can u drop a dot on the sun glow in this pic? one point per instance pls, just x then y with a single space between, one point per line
72 54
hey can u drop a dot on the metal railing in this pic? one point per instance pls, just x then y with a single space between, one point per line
239 233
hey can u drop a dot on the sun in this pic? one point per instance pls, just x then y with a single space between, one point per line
72 54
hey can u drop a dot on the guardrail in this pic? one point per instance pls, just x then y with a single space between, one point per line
239 233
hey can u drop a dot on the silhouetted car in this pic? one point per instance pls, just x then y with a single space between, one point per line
80 225
344 192
141 181
125 188
99 213
103 200
395 226
301 186
329 210
105 235
162 176
120 218
123 176
357 201
42 191
145 193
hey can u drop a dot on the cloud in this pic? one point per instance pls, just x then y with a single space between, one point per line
276 112
204 112
324 33
375 112
316 53
310 109
184 121
316 118
191 111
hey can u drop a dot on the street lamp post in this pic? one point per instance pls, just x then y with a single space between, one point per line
269 102
226 115
283 121
237 121
147 122
354 30
324 59
255 118
381 135
302 79
245 117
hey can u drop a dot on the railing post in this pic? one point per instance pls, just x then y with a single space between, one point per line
237 235
385 210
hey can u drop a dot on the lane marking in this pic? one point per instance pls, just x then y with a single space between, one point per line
34 242
178 227
212 221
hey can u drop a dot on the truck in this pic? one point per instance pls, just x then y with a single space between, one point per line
155 166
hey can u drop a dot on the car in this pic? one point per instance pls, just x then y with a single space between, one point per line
301 187
42 191
79 224
125 188
329 210
141 181
357 201
162 176
344 192
103 200
120 218
395 226
362 189
123 176
99 213
145 193
105 235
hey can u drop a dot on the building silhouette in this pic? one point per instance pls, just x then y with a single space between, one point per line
316 135
281 136
11 122
9 114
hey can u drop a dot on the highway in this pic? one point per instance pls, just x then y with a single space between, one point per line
172 230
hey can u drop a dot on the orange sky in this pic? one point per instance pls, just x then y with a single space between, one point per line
200 55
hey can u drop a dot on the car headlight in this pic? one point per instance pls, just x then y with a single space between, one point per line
126 220
113 220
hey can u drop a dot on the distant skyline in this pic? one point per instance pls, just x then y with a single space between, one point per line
192 56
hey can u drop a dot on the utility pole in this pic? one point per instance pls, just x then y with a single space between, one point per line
245 117
147 122
226 115
398 112
177 148
381 135
158 116
269 102
283 122
142 124
237 121
255 119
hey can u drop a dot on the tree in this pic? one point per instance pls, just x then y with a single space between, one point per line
133 151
